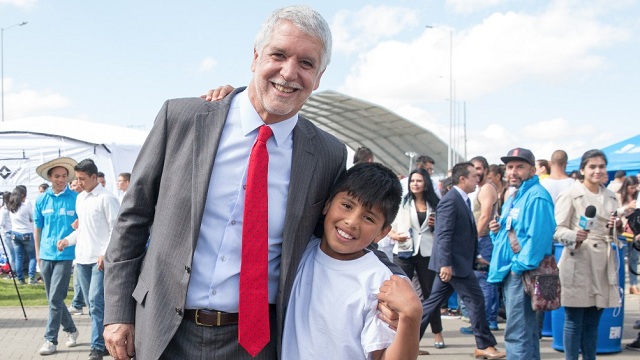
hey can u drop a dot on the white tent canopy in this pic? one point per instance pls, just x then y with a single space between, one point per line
27 143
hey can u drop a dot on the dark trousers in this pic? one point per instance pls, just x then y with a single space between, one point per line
216 342
470 292
426 276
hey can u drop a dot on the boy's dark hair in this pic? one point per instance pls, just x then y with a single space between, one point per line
87 166
374 185
100 174
460 169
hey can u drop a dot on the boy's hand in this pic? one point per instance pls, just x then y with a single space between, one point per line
218 93
387 315
398 294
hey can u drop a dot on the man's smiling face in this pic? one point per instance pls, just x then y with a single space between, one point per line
286 71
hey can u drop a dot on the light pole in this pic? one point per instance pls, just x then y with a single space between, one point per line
411 155
449 149
2 30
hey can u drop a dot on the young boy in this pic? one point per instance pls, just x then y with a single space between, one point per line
332 310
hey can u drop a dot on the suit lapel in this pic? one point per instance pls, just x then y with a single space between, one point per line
303 163
208 130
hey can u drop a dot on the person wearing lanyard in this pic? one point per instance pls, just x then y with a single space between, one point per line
528 212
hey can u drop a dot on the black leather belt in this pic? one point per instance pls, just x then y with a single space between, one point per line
204 317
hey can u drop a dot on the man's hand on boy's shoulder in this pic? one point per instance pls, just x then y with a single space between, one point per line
397 298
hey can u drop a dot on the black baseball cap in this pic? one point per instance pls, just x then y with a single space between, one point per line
520 154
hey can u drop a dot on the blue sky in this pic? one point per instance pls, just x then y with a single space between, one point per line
540 74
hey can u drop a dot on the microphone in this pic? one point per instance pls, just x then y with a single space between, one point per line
586 221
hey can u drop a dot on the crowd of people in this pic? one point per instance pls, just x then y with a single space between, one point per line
66 230
278 251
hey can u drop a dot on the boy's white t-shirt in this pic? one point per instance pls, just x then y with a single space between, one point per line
332 309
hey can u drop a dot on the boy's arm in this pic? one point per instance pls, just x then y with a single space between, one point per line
398 294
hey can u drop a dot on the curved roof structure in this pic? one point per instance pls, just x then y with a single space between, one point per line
390 136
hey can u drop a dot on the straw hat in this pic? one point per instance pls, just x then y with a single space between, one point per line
65 162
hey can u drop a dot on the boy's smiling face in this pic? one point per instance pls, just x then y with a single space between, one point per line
349 227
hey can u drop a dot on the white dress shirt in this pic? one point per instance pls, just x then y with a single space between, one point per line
97 215
215 271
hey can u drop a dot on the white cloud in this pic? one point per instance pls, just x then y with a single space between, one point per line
25 102
208 64
542 138
354 31
25 4
504 49
470 6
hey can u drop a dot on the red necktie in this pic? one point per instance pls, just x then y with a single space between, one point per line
253 305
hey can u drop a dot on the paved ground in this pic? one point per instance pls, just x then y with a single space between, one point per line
20 339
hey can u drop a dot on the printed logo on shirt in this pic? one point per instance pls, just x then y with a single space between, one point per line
47 211
62 211
71 212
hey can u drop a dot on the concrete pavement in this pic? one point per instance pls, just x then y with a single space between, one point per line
20 339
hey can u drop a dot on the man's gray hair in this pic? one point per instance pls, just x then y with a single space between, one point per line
307 20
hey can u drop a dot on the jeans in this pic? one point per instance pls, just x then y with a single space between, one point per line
24 242
91 282
491 297
521 332
632 257
56 276
581 332
78 300
490 291
11 251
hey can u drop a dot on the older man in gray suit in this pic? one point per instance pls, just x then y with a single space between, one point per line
179 298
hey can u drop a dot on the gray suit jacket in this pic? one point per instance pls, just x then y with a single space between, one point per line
165 202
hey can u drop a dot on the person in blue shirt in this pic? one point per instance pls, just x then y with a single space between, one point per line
528 214
54 212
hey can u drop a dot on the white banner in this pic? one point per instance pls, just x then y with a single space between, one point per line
13 172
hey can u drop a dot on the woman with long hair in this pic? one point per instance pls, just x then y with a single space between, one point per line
588 266
21 215
413 233
627 197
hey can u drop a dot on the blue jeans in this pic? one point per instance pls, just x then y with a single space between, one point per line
491 297
521 332
78 300
56 276
24 242
632 256
490 291
581 332
11 251
91 282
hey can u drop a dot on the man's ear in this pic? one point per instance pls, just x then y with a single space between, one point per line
255 60
317 84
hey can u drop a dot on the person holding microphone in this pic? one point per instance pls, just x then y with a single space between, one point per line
588 269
